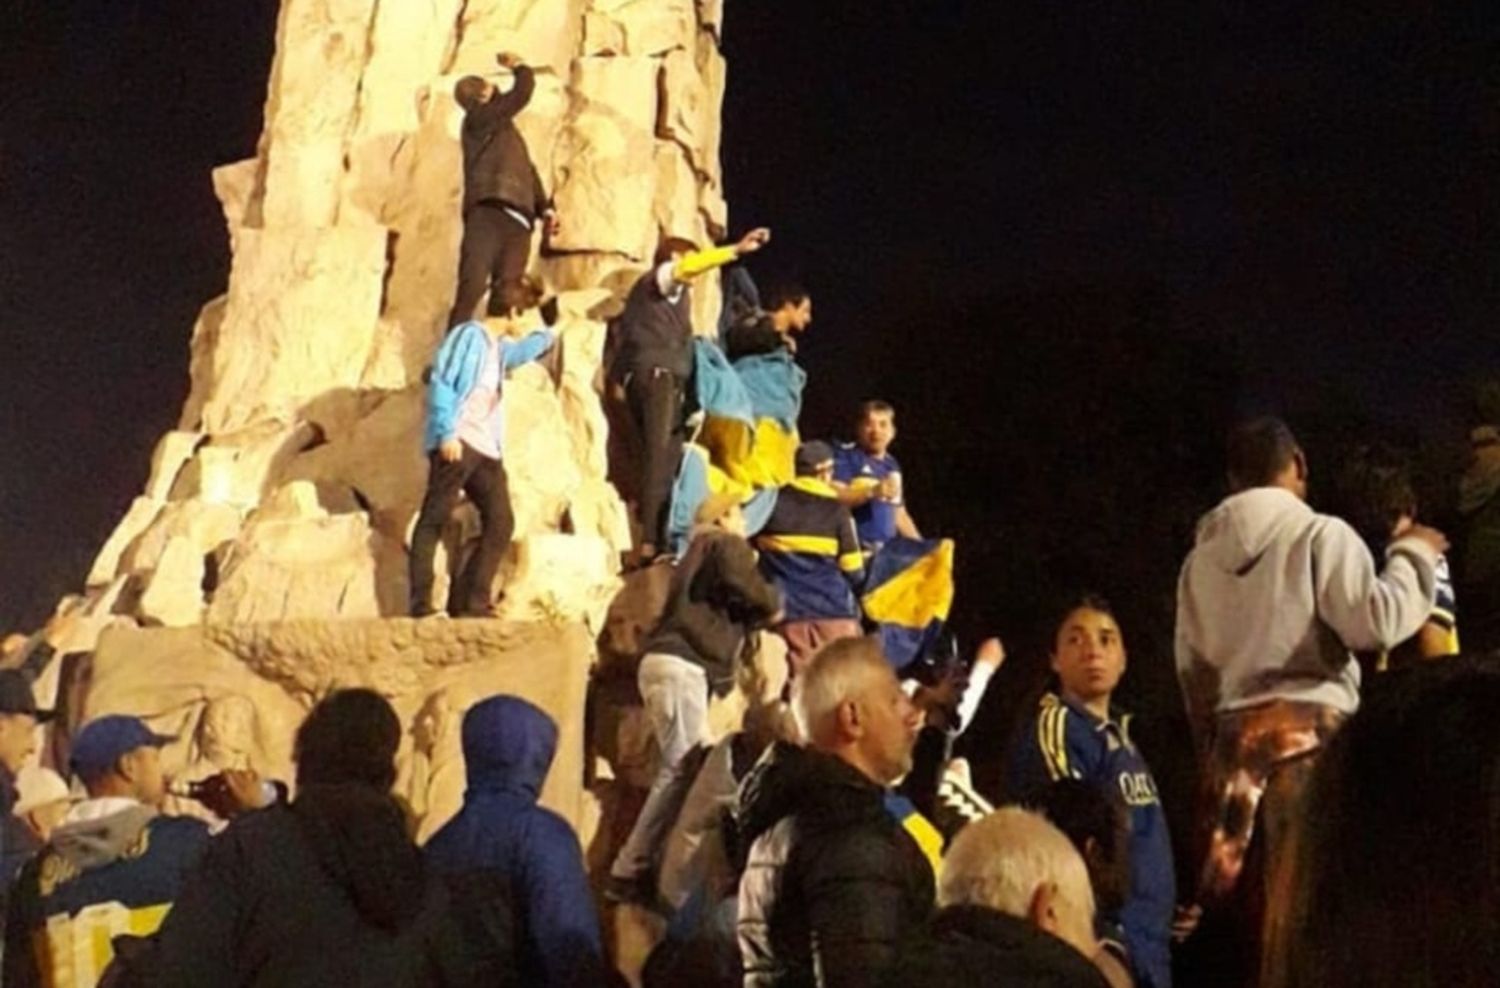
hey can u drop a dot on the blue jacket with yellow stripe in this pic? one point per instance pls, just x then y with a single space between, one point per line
102 875
1062 740
809 550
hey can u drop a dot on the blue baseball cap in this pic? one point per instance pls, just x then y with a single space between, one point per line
105 741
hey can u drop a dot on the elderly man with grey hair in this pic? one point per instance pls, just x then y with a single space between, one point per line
1016 910
833 882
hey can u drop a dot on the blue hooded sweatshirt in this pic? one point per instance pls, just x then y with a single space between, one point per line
508 747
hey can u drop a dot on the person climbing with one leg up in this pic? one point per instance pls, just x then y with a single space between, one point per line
464 439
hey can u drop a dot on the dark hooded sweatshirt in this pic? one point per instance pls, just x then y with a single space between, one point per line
503 851
833 884
326 891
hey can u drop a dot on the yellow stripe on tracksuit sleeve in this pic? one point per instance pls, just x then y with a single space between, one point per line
928 838
812 545
693 264
1052 735
851 562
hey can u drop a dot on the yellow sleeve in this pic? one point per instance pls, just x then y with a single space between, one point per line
691 265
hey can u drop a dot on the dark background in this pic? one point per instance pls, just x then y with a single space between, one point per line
1069 241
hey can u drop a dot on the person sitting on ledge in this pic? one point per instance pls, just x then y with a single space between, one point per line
464 438
503 194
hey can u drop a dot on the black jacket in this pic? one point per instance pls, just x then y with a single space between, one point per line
716 599
327 891
654 332
751 336
497 164
832 884
17 843
972 945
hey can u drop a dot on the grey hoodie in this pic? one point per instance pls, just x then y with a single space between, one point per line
1273 597
91 840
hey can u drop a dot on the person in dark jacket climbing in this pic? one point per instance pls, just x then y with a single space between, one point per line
503 854
716 600
654 362
1016 911
503 193
832 883
328 890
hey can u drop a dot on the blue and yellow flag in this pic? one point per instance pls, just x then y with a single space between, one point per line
697 478
927 837
908 594
750 413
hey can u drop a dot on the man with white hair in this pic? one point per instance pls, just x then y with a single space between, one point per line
1016 910
833 881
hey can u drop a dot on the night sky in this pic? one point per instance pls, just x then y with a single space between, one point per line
1068 240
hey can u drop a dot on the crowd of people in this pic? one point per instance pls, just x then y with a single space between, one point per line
832 839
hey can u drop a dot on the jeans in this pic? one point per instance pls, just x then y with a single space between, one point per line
675 692
484 480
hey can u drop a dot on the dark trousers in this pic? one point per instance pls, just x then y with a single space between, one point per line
483 479
655 400
492 258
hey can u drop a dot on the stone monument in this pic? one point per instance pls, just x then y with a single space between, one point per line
265 562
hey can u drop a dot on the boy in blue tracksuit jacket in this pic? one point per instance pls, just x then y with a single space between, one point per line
1076 734
516 869
463 440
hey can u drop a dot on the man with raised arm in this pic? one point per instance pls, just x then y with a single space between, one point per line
503 193
654 363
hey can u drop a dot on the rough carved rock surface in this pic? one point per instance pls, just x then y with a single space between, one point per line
265 562
269 675
345 229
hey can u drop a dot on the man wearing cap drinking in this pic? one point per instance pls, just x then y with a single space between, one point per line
717 598
809 550
112 867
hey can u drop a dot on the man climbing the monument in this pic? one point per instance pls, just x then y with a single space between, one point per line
503 193
655 361
464 438
716 601
868 478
